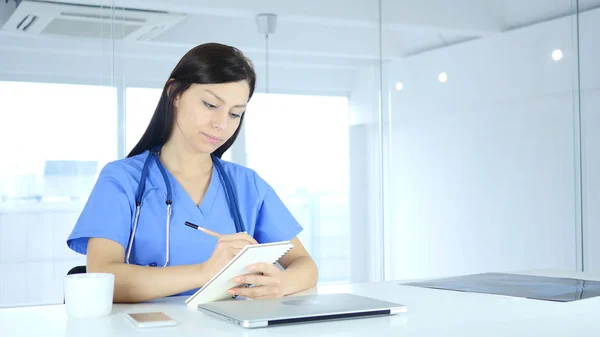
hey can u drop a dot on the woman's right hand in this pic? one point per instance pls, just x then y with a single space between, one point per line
227 247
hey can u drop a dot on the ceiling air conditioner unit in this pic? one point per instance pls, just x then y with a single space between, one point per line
91 21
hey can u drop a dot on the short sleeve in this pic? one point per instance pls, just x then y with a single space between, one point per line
108 211
274 221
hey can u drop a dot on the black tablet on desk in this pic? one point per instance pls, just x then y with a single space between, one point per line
517 285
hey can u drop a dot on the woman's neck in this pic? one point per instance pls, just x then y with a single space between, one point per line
181 160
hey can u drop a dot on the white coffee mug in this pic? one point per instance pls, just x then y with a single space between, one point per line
89 295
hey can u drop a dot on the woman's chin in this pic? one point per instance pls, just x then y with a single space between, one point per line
206 148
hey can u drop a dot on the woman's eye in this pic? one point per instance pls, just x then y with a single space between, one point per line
235 115
210 106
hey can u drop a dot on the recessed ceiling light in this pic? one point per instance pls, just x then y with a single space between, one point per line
399 86
557 55
443 77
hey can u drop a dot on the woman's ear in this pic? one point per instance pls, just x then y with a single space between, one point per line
170 88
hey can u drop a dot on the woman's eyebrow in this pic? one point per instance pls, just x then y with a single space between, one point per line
223 101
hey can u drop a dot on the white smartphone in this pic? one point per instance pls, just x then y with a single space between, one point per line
150 319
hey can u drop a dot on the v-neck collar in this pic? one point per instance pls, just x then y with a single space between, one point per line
181 196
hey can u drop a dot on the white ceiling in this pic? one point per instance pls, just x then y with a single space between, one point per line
342 29
339 34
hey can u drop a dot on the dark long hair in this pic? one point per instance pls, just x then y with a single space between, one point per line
210 63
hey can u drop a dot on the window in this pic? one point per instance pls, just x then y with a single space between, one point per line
55 145
299 145
140 104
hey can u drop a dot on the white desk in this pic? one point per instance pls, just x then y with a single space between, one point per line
430 313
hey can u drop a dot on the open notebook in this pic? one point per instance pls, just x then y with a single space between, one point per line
216 288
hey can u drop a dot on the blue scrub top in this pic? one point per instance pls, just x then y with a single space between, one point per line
110 210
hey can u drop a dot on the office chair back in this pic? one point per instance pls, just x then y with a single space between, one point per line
77 270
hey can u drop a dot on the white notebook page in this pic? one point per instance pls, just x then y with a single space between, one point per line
216 289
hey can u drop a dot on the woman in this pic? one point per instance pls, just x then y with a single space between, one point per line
197 119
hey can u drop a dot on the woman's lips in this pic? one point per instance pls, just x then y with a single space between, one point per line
212 139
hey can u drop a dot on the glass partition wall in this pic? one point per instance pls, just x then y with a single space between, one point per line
78 91
58 126
410 139
589 117
484 134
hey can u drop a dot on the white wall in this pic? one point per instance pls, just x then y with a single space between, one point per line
590 118
485 167
591 178
33 254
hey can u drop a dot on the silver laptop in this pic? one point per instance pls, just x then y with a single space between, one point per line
299 309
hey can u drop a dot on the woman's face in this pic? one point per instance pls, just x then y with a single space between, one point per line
207 115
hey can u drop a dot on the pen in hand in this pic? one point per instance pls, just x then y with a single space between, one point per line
202 229
234 249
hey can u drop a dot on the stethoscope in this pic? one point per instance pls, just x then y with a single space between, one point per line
229 195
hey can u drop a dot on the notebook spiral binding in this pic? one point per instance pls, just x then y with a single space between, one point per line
282 255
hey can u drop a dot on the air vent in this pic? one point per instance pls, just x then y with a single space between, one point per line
61 19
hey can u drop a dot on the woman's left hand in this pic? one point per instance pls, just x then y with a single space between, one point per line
267 285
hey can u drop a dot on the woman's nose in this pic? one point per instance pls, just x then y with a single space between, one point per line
219 120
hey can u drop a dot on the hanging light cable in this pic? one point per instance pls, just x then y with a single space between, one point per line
266 23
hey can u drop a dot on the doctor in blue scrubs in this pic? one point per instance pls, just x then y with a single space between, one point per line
134 222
